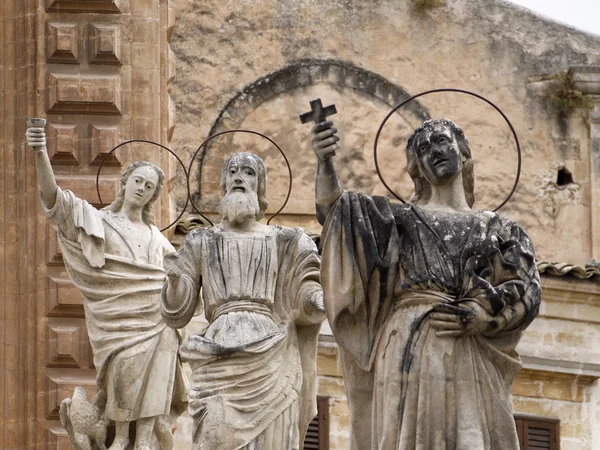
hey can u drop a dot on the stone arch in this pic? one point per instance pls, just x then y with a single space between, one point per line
310 72
298 75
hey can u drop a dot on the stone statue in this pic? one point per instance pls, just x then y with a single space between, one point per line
114 256
253 383
427 300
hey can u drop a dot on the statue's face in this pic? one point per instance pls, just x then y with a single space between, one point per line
242 175
438 155
141 185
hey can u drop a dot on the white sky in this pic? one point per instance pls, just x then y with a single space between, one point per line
583 14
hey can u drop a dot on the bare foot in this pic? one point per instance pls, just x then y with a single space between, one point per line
119 444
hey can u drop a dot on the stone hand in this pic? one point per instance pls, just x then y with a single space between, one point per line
324 140
172 261
36 138
467 318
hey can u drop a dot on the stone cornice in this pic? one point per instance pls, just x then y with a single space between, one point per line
585 372
586 79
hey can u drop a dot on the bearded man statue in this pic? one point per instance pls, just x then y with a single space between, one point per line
253 382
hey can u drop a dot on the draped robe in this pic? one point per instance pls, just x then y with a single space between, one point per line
383 268
254 368
135 353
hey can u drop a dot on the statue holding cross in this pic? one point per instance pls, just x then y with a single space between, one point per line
318 114
427 300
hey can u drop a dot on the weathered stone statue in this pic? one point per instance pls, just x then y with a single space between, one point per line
427 301
114 256
254 368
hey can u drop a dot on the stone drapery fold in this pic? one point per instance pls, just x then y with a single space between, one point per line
384 266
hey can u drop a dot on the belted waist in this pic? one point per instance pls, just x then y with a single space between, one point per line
240 306
425 297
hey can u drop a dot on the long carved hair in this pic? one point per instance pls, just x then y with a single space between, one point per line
147 216
422 186
262 179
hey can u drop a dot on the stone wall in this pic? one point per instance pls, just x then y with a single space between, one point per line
257 64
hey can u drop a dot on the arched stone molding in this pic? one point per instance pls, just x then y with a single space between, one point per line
310 72
306 73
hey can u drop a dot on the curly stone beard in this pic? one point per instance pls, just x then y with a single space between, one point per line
237 207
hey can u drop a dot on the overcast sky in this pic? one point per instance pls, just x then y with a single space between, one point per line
583 14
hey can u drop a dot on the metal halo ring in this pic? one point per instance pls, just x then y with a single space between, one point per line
145 142
202 163
462 91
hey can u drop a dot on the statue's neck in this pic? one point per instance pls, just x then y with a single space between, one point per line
449 196
131 212
247 226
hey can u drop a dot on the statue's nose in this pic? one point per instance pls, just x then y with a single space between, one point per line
436 151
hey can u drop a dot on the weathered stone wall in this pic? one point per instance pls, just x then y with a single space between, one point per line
256 64
228 53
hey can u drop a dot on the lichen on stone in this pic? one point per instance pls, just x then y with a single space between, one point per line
421 6
565 97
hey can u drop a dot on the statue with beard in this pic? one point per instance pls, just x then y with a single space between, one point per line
253 382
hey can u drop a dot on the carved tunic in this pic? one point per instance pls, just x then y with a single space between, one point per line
254 369
135 353
384 266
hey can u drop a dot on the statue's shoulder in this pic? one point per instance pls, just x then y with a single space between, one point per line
297 235
200 233
495 218
503 225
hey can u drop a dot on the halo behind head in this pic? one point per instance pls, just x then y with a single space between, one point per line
147 216
214 136
460 91
144 141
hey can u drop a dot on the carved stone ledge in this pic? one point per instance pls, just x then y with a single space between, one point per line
63 144
57 439
586 372
102 140
84 187
63 298
101 6
105 44
54 255
61 386
62 43
76 94
586 79
64 345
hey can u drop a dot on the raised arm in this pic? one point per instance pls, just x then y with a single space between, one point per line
327 188
36 139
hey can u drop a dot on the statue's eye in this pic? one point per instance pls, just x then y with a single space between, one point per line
443 140
249 172
422 148
231 171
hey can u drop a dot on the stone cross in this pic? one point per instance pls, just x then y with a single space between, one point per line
317 113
